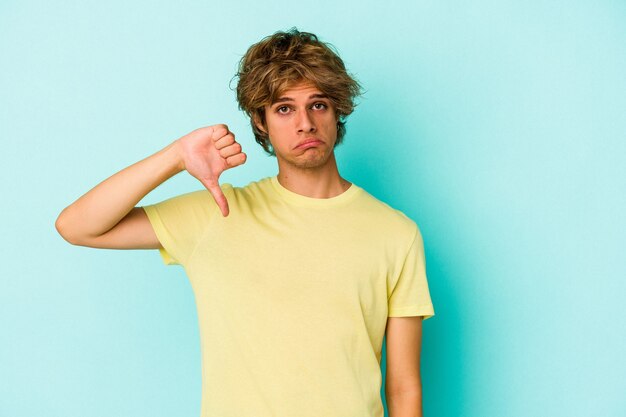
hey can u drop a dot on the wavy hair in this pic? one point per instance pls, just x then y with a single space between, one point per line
284 59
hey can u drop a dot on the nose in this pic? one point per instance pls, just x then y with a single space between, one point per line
305 122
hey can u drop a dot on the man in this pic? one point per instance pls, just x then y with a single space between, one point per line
297 277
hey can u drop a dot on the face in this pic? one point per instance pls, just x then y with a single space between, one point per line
302 127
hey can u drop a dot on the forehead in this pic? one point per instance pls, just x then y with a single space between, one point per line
300 90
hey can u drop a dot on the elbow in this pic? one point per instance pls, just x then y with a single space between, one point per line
72 232
407 388
61 227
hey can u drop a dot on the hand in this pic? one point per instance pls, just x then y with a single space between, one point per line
206 153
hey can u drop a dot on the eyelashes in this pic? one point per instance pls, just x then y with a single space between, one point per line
315 106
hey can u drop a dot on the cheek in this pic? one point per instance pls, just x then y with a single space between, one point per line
270 124
331 124
277 130
274 127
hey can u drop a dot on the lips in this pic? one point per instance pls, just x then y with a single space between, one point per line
309 142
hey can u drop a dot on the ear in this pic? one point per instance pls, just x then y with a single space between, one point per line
258 123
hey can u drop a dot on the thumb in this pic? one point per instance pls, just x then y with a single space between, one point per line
219 197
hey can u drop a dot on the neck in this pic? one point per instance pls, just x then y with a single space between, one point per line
319 182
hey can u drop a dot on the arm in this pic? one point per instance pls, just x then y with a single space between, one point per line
403 386
106 216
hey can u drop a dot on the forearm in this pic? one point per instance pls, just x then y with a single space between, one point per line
101 208
407 404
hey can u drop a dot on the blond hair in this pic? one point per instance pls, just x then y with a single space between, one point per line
284 59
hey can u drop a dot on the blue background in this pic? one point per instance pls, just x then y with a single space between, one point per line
498 126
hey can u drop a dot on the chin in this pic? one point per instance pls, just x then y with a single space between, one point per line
317 162
311 162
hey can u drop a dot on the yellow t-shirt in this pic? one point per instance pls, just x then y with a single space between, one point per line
293 295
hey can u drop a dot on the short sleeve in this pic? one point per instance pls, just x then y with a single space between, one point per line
180 222
410 295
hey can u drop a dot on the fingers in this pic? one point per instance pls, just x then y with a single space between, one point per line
208 167
236 160
230 150
224 140
219 198
218 131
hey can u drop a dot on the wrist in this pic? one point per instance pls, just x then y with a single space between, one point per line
175 157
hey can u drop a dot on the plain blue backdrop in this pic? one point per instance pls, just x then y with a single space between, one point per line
498 126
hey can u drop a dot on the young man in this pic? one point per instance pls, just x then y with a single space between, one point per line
297 277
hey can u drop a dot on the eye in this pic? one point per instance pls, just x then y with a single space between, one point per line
282 109
320 106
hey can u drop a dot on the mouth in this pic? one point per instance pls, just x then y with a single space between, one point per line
309 143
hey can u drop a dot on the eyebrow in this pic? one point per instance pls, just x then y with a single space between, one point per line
284 99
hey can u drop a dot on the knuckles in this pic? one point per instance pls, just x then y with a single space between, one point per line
219 131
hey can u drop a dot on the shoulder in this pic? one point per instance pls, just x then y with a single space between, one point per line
392 218
394 230
391 226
